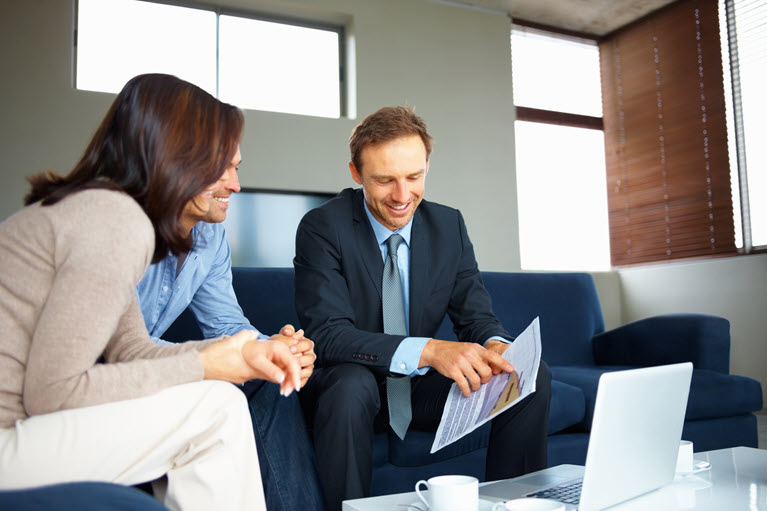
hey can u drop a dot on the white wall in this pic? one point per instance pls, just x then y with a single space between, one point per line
734 287
608 286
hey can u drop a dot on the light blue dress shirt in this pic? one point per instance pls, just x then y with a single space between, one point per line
204 284
408 353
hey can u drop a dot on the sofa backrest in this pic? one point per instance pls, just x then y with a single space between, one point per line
567 304
266 297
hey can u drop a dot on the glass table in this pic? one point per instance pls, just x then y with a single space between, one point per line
737 480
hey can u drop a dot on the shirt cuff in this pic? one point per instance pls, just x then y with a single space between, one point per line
496 338
162 342
406 357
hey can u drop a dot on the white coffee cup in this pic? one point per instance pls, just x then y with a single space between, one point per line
684 462
529 504
450 493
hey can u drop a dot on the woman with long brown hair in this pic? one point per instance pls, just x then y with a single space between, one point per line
84 392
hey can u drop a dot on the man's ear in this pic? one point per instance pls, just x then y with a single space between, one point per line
355 173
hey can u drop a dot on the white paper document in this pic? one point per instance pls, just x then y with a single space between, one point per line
462 414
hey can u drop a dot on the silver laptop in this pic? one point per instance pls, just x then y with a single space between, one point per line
633 446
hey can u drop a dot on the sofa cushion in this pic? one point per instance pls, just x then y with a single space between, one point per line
586 379
414 450
380 449
722 432
712 394
568 406
567 448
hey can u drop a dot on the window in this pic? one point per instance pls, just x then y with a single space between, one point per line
279 67
560 162
282 66
674 190
744 50
119 39
566 165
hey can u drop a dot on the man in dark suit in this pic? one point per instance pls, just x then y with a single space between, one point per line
372 306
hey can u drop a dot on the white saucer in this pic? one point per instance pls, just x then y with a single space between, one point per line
484 505
698 467
532 504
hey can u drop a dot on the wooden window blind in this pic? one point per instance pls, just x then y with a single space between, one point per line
668 173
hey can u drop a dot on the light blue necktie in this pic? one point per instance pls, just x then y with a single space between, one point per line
397 388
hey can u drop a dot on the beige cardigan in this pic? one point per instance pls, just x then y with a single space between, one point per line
68 274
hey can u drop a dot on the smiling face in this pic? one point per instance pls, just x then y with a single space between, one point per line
393 177
211 205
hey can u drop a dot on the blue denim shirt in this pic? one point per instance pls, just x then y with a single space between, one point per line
204 284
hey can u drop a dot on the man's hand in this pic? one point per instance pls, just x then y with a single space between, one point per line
302 347
243 357
467 363
497 347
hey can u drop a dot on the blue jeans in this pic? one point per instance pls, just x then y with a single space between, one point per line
285 453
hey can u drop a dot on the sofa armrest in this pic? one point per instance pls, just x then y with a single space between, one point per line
702 339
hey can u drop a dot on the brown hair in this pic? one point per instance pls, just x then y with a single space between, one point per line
163 141
387 124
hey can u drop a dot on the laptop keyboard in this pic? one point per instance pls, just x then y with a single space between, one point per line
567 493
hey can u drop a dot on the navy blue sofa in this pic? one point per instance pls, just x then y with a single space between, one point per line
576 347
83 496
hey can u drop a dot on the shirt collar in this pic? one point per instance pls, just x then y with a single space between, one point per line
382 233
202 229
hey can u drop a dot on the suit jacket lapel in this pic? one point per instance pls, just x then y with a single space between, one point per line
419 260
366 242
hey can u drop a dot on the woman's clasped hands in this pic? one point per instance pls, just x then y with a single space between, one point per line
244 357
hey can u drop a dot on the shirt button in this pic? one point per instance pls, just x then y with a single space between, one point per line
164 289
402 366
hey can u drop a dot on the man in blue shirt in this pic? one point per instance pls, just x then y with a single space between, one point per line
202 281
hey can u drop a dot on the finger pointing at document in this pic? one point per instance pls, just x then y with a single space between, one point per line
467 363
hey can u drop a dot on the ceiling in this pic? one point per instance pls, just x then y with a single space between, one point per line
594 17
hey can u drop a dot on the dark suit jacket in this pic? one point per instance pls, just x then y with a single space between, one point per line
338 273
